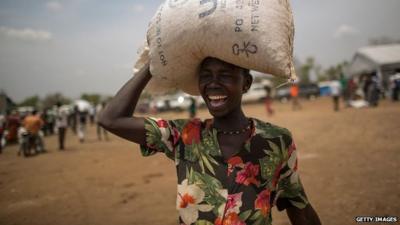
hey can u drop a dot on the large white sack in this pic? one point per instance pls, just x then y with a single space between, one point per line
254 34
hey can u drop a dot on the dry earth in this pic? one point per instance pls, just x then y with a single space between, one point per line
349 165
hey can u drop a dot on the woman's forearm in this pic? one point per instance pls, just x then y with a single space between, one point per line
117 115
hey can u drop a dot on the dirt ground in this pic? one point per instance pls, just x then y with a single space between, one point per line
349 165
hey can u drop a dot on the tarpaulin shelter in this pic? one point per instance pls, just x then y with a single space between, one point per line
382 59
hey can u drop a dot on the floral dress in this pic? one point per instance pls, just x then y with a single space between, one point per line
238 191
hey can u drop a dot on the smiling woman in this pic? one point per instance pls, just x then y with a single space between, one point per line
231 169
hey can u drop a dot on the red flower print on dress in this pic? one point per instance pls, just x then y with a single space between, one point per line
175 136
162 123
233 162
230 219
248 175
191 132
262 202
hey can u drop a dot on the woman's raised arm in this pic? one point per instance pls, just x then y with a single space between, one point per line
117 117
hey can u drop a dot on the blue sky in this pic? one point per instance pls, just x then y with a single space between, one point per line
75 46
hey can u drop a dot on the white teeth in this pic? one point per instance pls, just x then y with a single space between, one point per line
217 97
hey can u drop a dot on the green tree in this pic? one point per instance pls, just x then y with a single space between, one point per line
305 70
32 101
52 99
92 98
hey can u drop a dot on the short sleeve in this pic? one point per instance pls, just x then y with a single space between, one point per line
290 191
161 136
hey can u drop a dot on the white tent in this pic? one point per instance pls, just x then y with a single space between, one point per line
376 58
83 105
382 59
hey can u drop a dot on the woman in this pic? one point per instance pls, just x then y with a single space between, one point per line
231 169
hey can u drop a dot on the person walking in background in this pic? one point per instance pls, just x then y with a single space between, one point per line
395 85
192 108
73 119
100 129
82 120
92 114
366 82
294 94
344 83
33 123
373 90
61 125
335 92
352 88
268 100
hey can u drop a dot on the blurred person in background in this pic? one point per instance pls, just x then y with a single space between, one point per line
82 121
365 83
294 95
73 119
344 86
395 85
33 124
99 128
352 88
268 100
373 90
92 115
61 125
335 92
13 122
48 119
192 108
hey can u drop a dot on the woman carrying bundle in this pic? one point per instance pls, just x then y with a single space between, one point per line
231 169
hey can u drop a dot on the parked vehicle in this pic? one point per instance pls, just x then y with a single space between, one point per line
256 93
309 91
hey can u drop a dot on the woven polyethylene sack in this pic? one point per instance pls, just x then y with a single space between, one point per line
253 34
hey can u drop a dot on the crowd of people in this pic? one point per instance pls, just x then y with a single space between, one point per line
29 129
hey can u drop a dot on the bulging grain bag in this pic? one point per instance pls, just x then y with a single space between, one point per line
253 34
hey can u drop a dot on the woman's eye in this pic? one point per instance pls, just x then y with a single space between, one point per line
225 77
205 77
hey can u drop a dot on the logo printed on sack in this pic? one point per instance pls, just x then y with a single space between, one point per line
209 11
247 48
176 3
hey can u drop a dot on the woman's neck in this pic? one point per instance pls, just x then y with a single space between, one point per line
235 120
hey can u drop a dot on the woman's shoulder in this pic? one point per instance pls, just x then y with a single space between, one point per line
270 130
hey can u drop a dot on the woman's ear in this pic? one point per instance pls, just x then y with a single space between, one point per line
248 80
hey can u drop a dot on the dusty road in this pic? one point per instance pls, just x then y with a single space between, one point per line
349 165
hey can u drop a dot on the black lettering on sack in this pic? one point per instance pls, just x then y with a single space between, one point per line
239 4
238 24
159 42
254 23
255 19
158 39
163 59
209 11
247 48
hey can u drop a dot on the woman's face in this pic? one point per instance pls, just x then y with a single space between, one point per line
221 85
